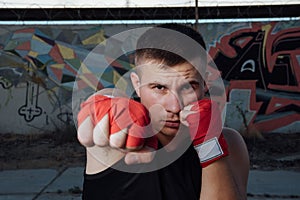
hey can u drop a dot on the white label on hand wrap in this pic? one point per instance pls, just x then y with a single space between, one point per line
209 150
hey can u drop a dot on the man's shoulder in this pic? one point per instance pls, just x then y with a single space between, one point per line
228 130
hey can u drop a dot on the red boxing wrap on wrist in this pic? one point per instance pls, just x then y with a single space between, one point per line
205 124
123 113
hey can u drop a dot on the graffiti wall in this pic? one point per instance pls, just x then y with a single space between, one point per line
259 63
39 68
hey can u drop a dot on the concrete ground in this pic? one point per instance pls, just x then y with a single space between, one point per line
66 184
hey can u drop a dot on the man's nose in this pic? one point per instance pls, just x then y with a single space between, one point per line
173 103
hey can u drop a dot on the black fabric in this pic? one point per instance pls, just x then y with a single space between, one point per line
181 180
112 184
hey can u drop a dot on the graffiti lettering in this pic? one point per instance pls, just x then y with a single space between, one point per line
271 59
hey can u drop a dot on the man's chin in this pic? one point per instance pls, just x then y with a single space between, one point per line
169 131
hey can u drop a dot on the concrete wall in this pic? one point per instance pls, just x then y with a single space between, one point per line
259 63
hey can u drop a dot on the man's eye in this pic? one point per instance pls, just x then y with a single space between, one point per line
186 87
160 87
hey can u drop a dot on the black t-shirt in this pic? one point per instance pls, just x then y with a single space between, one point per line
180 180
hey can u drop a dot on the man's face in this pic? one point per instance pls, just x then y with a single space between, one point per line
164 91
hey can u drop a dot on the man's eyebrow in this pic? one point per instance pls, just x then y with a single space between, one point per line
156 83
194 82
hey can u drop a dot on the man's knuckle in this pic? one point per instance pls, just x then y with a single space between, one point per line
84 140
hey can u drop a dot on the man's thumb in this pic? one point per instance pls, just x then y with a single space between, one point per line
145 155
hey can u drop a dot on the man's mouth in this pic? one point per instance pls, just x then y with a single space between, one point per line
172 123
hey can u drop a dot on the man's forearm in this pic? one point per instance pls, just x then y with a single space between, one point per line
218 182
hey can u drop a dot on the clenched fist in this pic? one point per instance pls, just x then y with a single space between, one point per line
118 121
205 124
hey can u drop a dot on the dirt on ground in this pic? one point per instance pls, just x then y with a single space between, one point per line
273 151
40 151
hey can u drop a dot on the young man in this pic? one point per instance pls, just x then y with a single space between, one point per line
170 84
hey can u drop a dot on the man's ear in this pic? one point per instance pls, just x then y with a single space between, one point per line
135 80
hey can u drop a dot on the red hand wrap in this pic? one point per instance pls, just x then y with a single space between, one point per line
123 113
205 124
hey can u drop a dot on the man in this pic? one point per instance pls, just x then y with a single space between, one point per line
170 84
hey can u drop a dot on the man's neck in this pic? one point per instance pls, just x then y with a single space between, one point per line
170 143
164 139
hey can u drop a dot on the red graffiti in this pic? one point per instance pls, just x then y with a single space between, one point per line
265 60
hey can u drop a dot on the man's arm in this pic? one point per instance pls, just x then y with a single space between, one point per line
218 178
235 167
218 182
